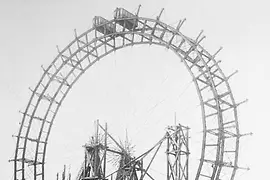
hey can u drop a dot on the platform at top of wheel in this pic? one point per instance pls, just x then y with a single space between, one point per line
122 17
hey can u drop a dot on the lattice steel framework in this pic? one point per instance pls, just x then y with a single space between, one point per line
177 152
218 107
135 168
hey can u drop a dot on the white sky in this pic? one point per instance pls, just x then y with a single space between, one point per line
30 30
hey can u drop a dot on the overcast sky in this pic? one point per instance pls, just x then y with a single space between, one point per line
30 31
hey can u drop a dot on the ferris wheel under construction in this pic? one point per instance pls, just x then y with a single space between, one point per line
218 106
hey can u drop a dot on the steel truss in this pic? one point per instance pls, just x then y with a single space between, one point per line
135 168
218 107
177 152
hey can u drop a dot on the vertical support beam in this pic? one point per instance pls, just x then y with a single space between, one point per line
187 162
96 156
168 159
178 139
64 173
105 152
141 169
96 137
85 162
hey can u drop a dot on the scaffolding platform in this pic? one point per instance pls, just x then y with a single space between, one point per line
125 18
103 26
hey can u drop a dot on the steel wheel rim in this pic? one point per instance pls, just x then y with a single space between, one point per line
201 70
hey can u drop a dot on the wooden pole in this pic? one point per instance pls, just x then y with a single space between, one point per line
97 125
85 162
64 173
168 160
187 153
96 163
105 152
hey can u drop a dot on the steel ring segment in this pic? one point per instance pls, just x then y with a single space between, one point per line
212 87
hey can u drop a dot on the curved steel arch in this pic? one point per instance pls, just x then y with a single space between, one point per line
219 114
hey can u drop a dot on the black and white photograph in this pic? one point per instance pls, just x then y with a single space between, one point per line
134 90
